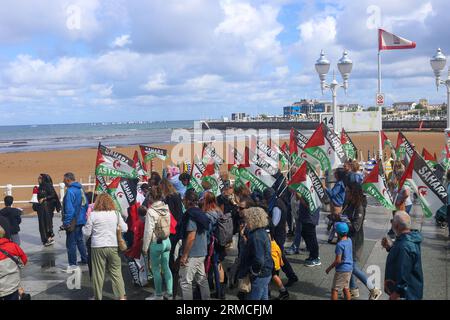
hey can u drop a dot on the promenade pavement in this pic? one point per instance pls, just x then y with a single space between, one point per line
45 277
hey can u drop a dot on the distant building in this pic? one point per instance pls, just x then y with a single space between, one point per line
404 106
240 116
354 107
306 107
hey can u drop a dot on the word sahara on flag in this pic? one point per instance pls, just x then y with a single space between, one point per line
149 153
432 194
308 185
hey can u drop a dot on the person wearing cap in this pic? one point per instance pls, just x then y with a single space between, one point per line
343 263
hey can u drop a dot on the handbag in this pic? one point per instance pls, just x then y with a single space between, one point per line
120 241
245 284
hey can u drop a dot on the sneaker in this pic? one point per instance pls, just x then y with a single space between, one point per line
290 282
284 295
312 262
375 294
155 297
167 296
292 250
354 293
71 268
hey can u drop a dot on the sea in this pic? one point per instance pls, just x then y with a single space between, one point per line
26 138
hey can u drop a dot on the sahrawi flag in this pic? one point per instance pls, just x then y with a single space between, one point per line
114 164
201 172
404 149
100 184
375 185
266 152
385 142
429 158
348 145
150 153
325 148
123 192
389 41
308 185
139 167
210 154
297 142
432 194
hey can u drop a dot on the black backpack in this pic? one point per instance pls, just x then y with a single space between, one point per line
224 230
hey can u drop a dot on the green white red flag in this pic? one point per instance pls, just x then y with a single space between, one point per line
308 185
210 154
100 184
349 147
201 172
385 142
124 192
150 153
297 142
139 167
404 149
429 158
114 164
324 148
432 194
375 185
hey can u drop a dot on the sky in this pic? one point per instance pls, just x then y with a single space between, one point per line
72 61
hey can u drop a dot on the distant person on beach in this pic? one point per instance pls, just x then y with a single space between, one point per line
101 227
75 205
48 202
13 215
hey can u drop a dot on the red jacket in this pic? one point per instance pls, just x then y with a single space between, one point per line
9 271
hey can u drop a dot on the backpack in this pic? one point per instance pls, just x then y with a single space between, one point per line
162 227
224 229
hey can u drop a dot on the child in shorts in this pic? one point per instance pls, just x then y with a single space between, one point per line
343 263
278 263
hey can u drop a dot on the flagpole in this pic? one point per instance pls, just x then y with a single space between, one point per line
380 147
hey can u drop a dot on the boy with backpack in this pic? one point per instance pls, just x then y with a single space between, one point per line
277 258
156 238
343 263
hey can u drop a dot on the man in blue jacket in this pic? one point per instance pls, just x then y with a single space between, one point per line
403 276
75 206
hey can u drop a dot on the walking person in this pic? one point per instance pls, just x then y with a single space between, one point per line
13 215
343 263
277 214
193 230
75 205
337 198
295 206
309 221
356 213
257 263
12 259
48 202
403 277
157 243
102 227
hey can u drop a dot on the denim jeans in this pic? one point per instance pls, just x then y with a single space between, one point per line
260 289
74 240
298 234
357 273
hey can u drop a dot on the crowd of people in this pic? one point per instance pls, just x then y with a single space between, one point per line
185 236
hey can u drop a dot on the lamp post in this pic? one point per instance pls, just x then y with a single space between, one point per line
438 62
345 68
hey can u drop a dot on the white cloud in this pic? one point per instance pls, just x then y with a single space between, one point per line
322 29
156 82
121 41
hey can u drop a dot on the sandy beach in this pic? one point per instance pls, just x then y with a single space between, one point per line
24 168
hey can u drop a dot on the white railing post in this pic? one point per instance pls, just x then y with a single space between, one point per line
61 191
9 188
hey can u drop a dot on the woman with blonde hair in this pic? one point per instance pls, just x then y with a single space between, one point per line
102 226
257 260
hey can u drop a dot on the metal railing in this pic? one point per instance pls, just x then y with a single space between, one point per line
7 190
